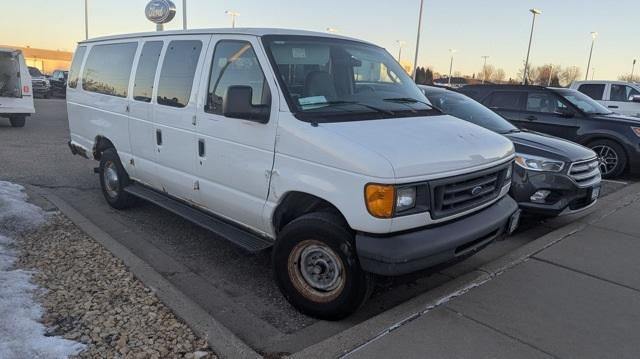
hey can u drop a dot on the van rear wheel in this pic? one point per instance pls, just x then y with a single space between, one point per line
113 180
17 121
317 269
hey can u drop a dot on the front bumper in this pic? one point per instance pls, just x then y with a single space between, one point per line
566 196
408 252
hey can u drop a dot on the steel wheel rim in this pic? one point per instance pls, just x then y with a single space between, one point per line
316 271
111 180
608 158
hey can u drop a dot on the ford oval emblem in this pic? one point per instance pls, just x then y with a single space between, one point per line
160 11
476 191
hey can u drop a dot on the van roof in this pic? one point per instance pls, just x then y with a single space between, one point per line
227 31
8 49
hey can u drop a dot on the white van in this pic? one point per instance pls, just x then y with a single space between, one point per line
16 97
619 96
317 145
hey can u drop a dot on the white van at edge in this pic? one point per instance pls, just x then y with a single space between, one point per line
618 96
317 145
16 97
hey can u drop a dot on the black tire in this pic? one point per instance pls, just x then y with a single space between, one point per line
607 150
17 121
329 234
113 190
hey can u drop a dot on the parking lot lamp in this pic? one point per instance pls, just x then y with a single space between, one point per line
535 12
484 68
184 14
451 51
415 58
86 20
400 45
233 15
593 41
633 69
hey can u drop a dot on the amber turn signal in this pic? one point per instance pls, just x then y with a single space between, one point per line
380 199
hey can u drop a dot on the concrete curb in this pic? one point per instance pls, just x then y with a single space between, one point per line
357 336
223 342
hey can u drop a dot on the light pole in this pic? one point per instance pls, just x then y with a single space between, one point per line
484 68
415 58
535 12
86 19
233 15
451 51
400 45
550 74
593 41
633 69
593 73
331 30
184 14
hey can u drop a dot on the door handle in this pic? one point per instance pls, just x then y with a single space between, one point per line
159 137
613 106
532 118
201 149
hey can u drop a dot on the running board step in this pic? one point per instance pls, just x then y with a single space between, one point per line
242 238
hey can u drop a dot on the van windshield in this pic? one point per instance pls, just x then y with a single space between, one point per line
331 80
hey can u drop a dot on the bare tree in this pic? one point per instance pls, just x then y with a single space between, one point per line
486 73
498 76
548 74
569 74
628 78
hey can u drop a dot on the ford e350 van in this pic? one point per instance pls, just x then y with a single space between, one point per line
16 97
317 145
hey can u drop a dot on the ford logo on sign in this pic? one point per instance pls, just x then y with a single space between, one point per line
160 11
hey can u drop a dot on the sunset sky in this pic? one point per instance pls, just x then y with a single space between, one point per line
498 28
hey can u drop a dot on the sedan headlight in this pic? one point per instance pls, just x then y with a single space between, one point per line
385 201
540 164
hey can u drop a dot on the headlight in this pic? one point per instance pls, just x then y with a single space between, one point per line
384 201
541 164
636 130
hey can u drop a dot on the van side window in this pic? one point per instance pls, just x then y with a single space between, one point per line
178 70
235 64
506 101
146 72
108 69
74 71
595 91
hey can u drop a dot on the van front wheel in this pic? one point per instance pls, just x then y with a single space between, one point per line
316 267
17 121
113 180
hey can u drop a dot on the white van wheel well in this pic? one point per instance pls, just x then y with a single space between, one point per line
101 144
296 204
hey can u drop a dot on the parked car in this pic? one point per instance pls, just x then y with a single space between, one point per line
552 177
40 83
568 114
618 96
16 98
317 145
58 83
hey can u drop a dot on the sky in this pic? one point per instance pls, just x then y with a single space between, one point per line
496 28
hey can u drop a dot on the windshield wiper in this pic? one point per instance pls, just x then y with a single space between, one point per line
338 103
408 100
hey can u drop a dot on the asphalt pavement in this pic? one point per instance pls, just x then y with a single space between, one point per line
233 286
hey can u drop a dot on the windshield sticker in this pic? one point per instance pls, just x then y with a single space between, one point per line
313 101
298 53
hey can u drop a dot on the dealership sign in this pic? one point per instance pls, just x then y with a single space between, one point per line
160 11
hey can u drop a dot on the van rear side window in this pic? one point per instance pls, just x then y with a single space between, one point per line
146 72
108 69
74 71
178 70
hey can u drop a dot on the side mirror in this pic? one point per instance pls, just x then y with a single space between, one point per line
237 104
565 113
634 98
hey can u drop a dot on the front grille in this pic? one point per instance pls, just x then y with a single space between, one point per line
585 173
459 194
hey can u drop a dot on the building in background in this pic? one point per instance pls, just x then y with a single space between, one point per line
45 60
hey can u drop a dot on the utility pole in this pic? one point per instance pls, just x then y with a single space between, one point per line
550 75
400 45
233 15
415 58
484 68
184 14
452 51
633 69
593 41
526 63
86 19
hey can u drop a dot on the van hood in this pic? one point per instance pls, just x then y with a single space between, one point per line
537 144
426 146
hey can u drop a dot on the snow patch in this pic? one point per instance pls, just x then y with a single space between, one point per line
21 333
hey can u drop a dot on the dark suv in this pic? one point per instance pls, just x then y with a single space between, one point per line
567 114
58 82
